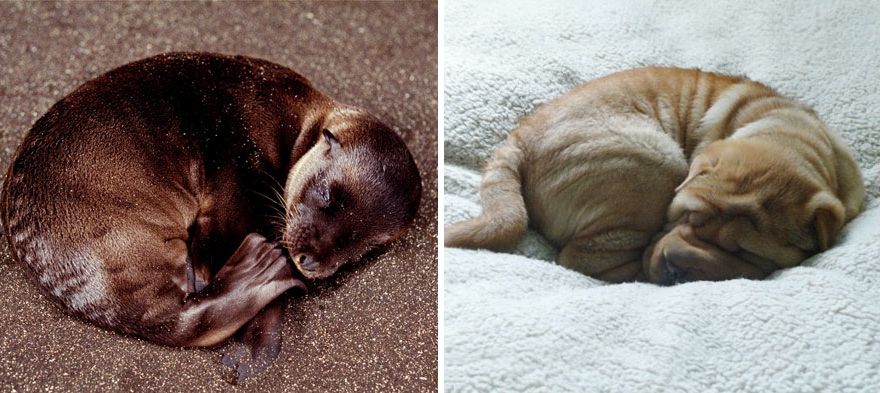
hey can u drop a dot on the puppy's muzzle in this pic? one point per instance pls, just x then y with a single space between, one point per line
679 256
672 273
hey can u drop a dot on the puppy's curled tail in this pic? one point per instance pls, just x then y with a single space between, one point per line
504 219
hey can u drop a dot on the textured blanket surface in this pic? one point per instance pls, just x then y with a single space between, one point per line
522 323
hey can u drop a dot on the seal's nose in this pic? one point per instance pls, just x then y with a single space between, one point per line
308 263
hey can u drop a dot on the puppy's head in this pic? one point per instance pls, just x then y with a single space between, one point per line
746 209
356 189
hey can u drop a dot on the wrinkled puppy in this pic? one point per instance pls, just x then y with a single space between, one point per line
163 198
669 175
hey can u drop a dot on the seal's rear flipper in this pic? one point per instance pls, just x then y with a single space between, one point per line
257 344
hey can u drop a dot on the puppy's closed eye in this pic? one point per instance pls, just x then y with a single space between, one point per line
698 218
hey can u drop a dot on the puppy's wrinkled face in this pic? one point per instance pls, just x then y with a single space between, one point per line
746 209
355 190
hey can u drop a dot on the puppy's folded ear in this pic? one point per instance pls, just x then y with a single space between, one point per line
701 164
828 216
683 202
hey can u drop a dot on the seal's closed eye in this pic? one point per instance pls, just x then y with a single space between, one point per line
325 195
338 199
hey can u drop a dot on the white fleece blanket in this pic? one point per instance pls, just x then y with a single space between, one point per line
523 323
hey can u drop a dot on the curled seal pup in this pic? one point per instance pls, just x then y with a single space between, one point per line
669 175
164 198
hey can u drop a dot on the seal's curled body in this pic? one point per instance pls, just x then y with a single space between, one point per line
149 201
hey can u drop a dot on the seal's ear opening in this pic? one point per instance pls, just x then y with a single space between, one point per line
331 140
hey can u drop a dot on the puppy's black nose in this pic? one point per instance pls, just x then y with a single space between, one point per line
672 273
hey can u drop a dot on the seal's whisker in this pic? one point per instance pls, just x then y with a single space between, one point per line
278 222
277 189
275 184
273 203
282 202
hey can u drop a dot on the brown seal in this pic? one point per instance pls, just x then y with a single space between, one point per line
164 198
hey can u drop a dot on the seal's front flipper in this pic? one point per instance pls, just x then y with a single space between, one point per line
257 344
256 274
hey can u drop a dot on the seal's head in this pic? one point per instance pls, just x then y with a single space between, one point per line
356 189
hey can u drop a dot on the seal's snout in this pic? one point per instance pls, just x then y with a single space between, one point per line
310 267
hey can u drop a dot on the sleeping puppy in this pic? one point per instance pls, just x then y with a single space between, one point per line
669 175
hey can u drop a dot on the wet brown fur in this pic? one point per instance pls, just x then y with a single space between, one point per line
131 201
